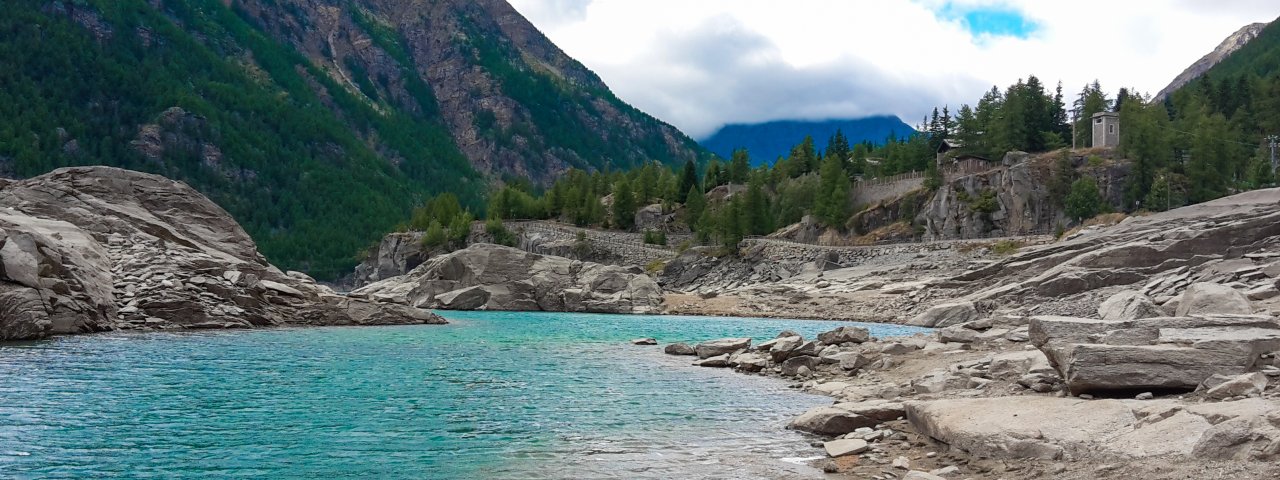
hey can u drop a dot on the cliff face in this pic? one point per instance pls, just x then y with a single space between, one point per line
1232 43
513 102
1003 201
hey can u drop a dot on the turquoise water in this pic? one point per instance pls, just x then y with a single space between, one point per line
492 395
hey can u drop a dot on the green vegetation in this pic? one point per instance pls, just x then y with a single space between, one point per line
1084 201
315 169
301 176
1006 247
658 237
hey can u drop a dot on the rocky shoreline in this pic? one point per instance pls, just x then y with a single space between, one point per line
1003 398
93 249
1150 347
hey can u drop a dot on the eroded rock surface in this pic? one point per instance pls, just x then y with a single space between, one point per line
95 248
494 277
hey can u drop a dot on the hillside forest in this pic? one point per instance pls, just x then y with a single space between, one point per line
1205 141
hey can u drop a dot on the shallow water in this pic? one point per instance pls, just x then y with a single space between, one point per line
492 395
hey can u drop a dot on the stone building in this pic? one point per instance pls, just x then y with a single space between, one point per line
1106 129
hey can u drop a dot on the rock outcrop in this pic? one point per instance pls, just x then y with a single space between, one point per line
1175 353
1049 428
494 277
95 248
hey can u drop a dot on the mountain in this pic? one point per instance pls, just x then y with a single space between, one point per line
318 124
767 141
1229 46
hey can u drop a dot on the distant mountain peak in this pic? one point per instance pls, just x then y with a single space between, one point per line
1228 46
769 140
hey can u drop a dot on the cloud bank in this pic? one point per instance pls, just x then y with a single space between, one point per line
702 64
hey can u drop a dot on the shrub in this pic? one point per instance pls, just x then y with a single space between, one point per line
1005 247
501 235
655 238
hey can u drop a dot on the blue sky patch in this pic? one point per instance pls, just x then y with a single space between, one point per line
990 21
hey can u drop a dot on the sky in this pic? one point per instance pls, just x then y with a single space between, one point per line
701 64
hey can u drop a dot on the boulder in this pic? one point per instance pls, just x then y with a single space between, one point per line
1173 353
1247 385
722 346
1129 305
783 347
644 341
830 421
856 361
791 367
845 446
946 314
718 361
957 334
679 349
750 362
1008 366
1212 298
844 335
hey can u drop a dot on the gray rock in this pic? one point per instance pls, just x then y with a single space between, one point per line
842 447
791 367
856 361
718 361
513 279
751 362
1152 354
1247 385
919 475
1212 298
957 334
830 421
722 346
782 348
679 349
844 335
1129 305
945 315
644 341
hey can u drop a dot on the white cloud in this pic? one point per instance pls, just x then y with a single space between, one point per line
701 64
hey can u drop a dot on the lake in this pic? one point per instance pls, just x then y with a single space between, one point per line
491 395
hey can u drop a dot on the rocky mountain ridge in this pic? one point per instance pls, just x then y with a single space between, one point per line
1230 45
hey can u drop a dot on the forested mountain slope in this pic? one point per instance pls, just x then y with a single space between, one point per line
768 141
317 124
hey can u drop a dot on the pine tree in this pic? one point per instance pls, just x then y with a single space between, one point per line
832 206
688 177
624 206
694 205
739 166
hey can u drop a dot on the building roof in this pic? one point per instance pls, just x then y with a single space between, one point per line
1106 114
948 144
